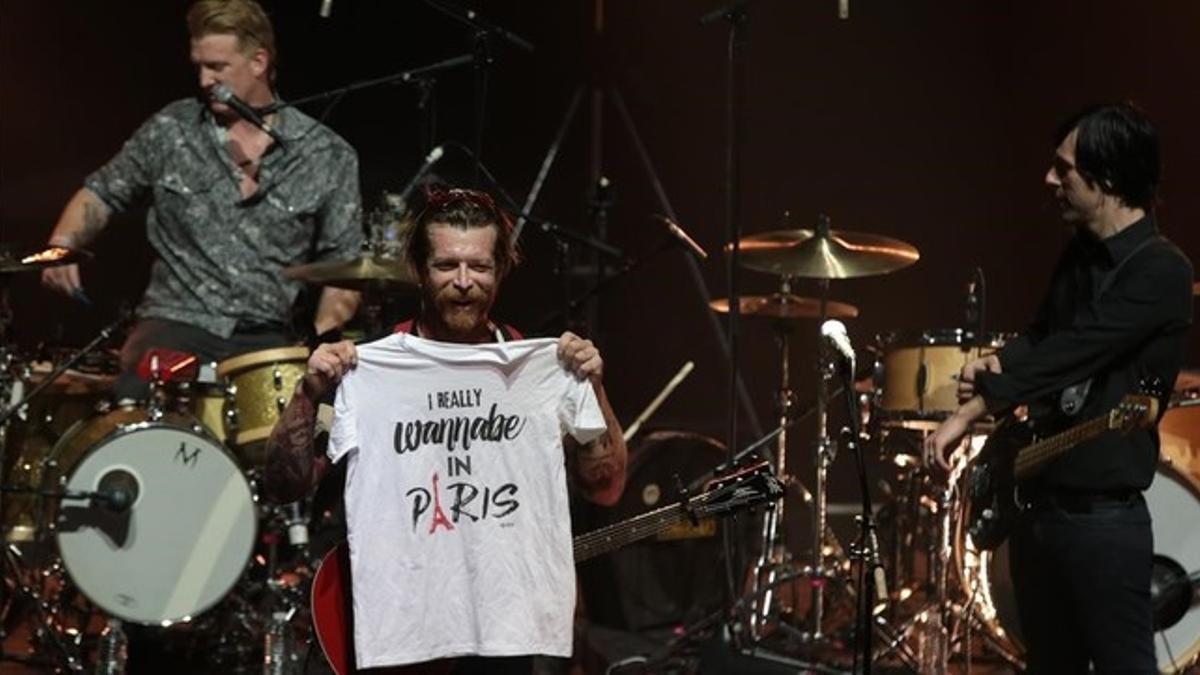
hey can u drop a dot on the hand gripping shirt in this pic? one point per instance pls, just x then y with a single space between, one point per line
456 497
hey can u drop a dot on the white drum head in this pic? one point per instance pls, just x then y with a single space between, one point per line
183 542
1174 502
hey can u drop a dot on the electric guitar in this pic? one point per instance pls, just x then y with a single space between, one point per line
742 489
994 479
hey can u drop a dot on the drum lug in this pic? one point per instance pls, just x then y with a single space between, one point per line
281 403
277 377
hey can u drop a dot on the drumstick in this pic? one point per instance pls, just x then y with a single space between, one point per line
632 429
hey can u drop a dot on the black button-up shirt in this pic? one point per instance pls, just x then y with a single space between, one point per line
220 256
1133 329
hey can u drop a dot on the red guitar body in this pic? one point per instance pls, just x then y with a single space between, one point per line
333 611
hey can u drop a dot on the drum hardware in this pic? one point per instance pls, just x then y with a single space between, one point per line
823 254
53 644
113 650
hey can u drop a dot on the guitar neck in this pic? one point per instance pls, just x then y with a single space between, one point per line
613 537
1031 459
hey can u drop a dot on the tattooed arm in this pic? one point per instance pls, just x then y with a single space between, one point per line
598 467
82 218
293 468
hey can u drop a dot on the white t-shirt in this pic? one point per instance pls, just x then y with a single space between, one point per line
456 497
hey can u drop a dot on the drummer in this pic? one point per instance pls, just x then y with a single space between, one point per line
229 206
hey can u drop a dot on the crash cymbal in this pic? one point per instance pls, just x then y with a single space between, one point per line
365 273
825 254
52 256
786 306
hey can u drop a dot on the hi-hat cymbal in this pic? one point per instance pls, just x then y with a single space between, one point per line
365 273
835 254
786 306
51 256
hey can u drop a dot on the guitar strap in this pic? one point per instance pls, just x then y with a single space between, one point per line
1070 402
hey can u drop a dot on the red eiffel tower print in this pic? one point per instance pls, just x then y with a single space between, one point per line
439 516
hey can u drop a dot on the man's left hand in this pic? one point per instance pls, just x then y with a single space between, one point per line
580 357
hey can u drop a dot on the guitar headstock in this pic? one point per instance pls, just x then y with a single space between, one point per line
742 489
1134 411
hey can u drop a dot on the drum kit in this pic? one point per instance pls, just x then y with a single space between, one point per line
148 513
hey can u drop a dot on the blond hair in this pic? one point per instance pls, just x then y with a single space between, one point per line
244 19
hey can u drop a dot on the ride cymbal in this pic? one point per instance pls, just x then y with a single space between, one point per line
825 253
365 273
786 306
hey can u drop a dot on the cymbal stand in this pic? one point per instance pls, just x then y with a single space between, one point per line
773 554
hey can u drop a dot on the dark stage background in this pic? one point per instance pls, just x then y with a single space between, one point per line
929 121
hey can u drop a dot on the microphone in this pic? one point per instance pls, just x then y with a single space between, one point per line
116 490
223 94
834 332
976 302
326 8
683 238
432 158
843 9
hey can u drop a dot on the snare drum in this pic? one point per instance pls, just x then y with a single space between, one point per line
919 380
187 533
260 385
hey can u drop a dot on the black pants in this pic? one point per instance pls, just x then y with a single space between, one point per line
166 334
1082 579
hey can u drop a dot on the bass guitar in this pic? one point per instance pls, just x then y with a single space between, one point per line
1013 455
332 608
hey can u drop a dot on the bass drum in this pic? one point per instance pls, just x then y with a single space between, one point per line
184 533
1174 502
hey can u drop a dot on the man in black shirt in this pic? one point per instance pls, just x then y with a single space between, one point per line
1116 315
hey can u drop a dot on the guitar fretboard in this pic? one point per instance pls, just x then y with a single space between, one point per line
1035 456
613 537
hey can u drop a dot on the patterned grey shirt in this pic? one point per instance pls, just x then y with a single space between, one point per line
220 257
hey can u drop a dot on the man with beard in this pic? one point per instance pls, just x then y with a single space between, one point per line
1117 314
461 247
230 205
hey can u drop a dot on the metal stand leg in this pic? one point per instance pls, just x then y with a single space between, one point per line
114 650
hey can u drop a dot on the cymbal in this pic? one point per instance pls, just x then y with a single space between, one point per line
838 254
365 273
786 306
51 256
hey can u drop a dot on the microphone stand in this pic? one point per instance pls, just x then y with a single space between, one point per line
868 547
413 74
483 32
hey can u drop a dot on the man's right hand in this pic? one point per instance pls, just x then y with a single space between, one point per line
326 367
966 378
63 279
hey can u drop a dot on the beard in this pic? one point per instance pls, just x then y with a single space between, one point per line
461 315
